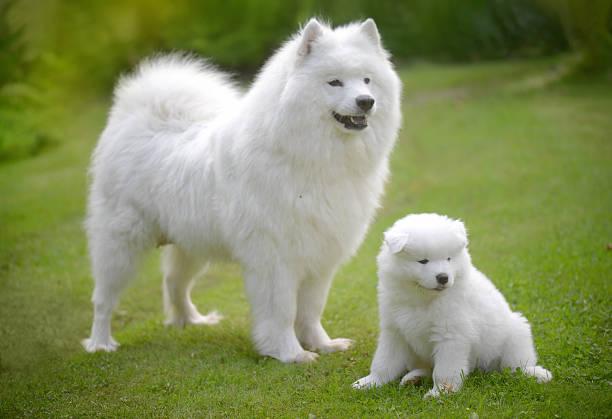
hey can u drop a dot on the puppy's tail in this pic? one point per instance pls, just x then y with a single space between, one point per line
173 92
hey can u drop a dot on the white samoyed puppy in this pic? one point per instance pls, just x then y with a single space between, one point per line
284 179
439 315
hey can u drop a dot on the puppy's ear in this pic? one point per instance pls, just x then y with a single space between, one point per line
311 32
395 242
460 231
371 31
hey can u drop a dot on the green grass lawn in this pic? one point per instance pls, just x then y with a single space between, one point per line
526 164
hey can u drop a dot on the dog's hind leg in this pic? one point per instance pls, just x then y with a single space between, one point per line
312 297
113 258
180 271
519 352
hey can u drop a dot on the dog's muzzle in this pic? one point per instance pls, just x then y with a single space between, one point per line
352 122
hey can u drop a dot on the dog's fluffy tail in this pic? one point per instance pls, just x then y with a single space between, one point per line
173 92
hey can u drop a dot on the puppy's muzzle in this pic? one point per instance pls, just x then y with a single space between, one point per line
442 279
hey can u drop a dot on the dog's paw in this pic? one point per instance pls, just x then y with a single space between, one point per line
196 318
212 318
366 382
413 377
305 357
443 388
336 345
301 357
92 345
542 375
434 393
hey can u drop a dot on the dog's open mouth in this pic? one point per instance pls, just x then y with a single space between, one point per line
355 122
438 288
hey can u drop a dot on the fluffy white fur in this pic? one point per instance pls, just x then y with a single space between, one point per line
439 314
269 179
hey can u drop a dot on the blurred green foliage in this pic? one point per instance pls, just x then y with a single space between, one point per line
587 27
12 48
18 134
100 38
51 50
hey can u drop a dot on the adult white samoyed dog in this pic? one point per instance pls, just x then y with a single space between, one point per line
284 179
438 312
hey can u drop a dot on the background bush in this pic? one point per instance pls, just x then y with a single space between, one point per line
99 38
54 50
18 135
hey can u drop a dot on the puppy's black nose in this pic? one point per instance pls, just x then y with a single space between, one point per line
365 102
442 278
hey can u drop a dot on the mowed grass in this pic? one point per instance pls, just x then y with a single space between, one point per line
526 165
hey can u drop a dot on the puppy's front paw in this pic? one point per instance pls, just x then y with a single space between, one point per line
369 381
442 388
434 393
413 377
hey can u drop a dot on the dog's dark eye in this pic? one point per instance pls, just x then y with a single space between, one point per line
366 80
423 261
335 83
448 259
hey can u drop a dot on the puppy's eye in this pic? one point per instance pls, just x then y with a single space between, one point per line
448 259
423 261
335 83
366 80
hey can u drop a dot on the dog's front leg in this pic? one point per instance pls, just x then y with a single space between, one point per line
312 297
451 365
272 291
392 358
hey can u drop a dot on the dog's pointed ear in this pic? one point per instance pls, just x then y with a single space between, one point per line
461 232
311 32
395 242
371 31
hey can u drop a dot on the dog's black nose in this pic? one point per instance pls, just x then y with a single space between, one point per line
365 102
442 278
